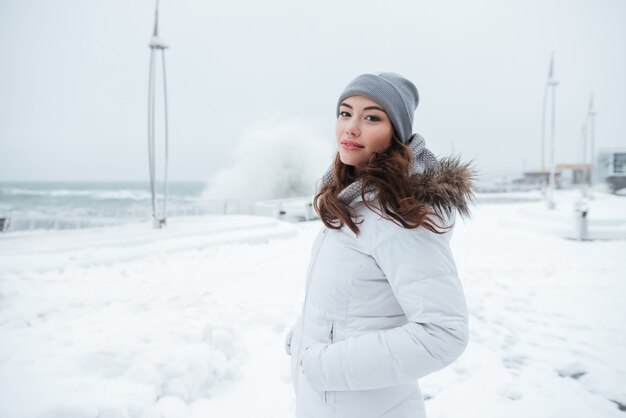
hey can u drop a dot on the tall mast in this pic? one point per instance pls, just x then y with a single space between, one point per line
551 84
157 49
591 115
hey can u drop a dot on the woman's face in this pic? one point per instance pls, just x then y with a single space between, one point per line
362 128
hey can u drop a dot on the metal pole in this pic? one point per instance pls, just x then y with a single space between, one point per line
543 128
592 151
552 82
151 100
543 135
552 179
157 45
165 184
585 180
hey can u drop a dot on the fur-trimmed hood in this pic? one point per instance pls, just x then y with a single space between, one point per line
447 184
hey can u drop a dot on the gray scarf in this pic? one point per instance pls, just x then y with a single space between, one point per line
422 159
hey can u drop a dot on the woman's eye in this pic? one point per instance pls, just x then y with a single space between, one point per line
344 113
374 118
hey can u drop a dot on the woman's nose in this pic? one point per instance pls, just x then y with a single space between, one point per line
352 128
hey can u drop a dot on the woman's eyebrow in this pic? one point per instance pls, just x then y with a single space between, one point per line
374 108
365 108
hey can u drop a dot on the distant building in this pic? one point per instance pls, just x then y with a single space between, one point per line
540 177
611 168
574 174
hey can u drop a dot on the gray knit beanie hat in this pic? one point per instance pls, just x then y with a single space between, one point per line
397 95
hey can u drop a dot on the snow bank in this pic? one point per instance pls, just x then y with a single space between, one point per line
190 321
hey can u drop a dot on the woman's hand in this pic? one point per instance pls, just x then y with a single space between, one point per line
288 338
303 356
313 356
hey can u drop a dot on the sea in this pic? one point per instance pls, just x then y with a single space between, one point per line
71 205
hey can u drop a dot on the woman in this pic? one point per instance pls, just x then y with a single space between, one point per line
383 304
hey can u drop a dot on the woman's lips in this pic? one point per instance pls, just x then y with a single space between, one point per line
351 146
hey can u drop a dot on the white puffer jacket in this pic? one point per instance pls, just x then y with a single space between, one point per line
380 311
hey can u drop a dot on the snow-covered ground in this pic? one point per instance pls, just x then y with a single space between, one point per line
605 216
190 322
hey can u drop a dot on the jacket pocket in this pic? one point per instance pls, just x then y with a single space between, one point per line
329 395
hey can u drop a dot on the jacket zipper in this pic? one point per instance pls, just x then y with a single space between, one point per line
330 337
306 291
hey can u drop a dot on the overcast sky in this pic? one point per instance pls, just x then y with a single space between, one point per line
73 77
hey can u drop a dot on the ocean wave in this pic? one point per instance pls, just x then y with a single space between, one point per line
31 224
123 194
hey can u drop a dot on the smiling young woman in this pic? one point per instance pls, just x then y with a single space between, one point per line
362 129
383 303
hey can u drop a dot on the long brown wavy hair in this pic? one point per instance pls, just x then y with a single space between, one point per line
388 174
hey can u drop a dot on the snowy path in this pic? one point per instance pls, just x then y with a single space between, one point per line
34 250
199 332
